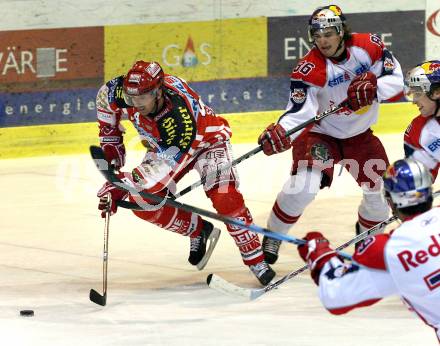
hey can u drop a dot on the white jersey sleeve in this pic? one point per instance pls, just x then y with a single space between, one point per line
423 157
346 287
302 106
390 77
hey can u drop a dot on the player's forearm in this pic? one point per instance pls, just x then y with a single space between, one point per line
391 85
342 290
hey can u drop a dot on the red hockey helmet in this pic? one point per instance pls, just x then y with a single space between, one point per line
143 77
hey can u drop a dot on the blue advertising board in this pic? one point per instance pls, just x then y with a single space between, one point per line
50 107
73 106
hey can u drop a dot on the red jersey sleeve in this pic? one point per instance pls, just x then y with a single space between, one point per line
414 130
311 69
370 253
371 43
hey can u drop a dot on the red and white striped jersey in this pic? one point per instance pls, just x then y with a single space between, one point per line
405 262
319 83
422 142
184 126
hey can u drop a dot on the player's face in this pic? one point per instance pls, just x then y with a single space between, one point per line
327 41
146 103
426 106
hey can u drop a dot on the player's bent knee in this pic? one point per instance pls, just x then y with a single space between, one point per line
226 202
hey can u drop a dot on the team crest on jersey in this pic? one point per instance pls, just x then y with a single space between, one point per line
388 64
320 152
298 95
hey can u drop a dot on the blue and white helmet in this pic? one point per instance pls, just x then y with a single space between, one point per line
420 79
326 17
408 183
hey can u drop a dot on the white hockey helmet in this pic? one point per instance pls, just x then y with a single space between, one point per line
407 182
326 17
420 79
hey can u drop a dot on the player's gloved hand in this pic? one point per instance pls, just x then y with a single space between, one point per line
274 140
316 252
362 91
116 195
112 144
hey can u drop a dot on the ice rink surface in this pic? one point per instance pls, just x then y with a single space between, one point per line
51 256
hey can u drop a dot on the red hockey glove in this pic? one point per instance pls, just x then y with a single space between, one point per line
112 144
362 91
316 253
274 140
117 195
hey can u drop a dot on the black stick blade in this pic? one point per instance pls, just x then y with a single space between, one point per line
97 298
208 279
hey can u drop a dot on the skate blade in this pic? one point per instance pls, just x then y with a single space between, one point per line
212 240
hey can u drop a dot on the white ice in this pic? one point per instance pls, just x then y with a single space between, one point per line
51 256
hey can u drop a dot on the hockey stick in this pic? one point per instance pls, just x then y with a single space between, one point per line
256 150
216 282
126 185
94 295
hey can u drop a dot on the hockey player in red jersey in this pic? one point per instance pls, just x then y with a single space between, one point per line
422 137
354 68
181 134
405 262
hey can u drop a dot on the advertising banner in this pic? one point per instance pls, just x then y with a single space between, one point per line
244 95
195 51
49 107
403 33
50 59
432 30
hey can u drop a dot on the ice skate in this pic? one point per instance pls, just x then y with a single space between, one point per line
199 254
263 272
271 247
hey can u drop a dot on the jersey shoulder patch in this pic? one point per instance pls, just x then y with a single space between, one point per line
311 69
414 130
298 94
115 95
181 87
371 43
370 252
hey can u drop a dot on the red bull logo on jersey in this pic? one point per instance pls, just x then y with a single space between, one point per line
298 95
414 258
388 64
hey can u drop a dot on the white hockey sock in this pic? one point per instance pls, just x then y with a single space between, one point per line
298 192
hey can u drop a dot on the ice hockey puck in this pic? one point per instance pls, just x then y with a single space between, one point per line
27 313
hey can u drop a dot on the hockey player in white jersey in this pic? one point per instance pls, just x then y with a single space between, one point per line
350 68
405 262
422 137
